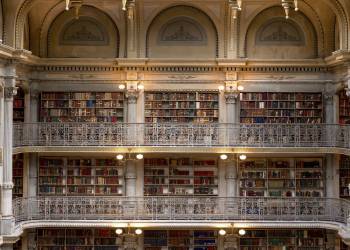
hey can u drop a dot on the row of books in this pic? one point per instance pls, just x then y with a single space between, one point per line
82 95
181 96
82 104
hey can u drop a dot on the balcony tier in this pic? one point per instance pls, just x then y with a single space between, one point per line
320 138
182 212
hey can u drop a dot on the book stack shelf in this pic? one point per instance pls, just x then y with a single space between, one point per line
281 107
82 107
344 108
344 177
18 106
81 176
282 177
77 239
197 107
180 240
283 240
180 176
17 175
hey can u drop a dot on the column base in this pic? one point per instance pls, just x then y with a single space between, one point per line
7 225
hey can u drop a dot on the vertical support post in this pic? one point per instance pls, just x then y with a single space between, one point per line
231 178
10 91
131 29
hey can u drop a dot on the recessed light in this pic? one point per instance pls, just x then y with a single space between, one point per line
242 157
223 157
120 157
138 231
222 232
241 232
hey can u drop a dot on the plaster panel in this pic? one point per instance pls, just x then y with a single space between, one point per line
92 35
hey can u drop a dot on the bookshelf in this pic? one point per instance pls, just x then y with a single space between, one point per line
180 240
18 106
180 176
17 175
81 176
344 177
82 107
282 177
344 108
77 239
283 240
270 107
181 106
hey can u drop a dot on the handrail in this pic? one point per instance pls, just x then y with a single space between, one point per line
181 134
264 209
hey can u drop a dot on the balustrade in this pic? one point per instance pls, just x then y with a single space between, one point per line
163 134
182 208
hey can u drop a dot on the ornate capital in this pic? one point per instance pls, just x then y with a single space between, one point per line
8 185
328 97
231 98
34 95
347 92
132 96
130 242
10 92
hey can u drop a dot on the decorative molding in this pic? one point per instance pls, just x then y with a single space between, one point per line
82 76
181 77
132 96
182 31
10 92
231 98
8 185
85 31
279 32
280 78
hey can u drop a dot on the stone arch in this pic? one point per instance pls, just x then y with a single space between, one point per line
94 34
189 31
295 38
28 5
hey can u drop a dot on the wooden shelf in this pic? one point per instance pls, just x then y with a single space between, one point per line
344 108
97 239
82 107
17 175
283 240
18 106
180 176
180 239
80 176
268 107
282 177
198 107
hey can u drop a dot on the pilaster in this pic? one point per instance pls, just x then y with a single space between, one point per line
332 176
231 178
130 178
131 29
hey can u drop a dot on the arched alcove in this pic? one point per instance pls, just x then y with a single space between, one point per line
182 32
272 36
92 35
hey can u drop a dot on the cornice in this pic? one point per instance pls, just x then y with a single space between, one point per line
182 149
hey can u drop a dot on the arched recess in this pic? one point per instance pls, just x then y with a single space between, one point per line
93 35
271 36
1 22
182 32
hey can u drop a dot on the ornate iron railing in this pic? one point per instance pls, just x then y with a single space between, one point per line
182 208
164 134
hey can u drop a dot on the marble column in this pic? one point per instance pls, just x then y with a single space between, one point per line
231 179
232 117
332 176
6 189
130 178
6 247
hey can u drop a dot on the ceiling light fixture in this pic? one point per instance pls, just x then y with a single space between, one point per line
242 157
222 232
236 5
287 4
223 157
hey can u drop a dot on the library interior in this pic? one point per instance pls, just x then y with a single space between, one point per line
174 125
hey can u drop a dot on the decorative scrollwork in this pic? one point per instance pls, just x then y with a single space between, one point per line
10 92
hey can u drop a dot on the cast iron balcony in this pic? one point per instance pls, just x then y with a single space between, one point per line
209 211
187 135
